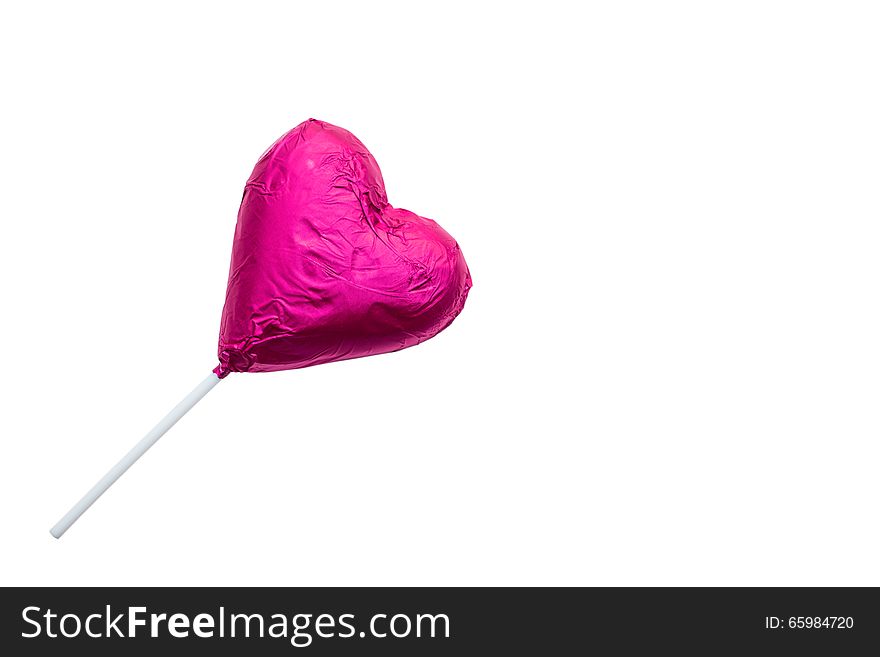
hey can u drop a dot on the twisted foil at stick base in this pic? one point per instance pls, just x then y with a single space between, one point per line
324 268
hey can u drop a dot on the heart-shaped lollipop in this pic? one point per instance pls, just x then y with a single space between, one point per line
323 269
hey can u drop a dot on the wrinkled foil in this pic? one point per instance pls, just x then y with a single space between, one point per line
324 268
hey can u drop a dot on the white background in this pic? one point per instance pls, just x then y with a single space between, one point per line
667 371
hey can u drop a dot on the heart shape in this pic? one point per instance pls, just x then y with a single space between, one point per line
323 268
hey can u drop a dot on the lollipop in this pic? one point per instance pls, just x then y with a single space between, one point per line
323 269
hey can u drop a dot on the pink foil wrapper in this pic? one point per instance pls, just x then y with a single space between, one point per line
324 268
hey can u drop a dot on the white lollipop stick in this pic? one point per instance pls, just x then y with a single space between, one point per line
136 452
